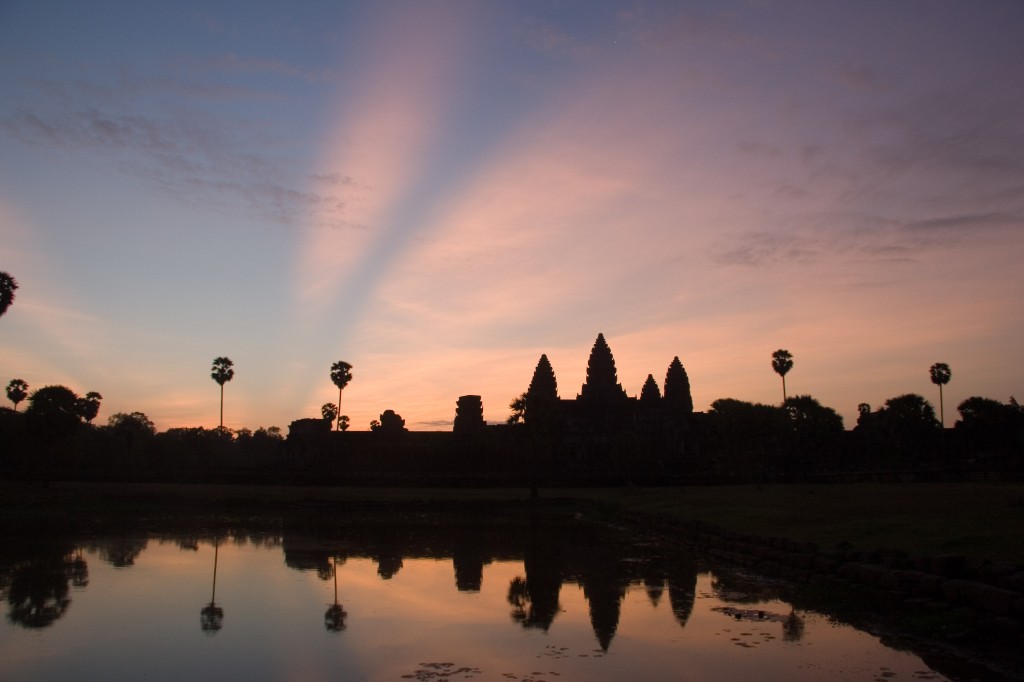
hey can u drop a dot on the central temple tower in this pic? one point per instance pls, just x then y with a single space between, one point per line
602 386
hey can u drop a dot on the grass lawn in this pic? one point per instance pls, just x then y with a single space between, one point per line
984 520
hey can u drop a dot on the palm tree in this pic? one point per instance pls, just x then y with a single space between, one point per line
17 390
329 411
518 407
7 287
782 362
941 375
222 373
341 374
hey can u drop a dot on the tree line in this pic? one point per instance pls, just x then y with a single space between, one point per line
733 440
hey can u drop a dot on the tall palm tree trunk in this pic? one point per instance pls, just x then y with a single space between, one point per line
222 406
337 421
942 409
216 551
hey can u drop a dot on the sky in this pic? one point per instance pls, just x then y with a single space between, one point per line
440 192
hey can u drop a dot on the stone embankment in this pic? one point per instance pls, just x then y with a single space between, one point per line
974 600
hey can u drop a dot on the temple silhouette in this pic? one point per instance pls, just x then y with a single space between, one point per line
602 435
603 428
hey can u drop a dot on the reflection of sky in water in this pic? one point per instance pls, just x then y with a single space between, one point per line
143 622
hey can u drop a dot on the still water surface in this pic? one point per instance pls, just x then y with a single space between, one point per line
522 604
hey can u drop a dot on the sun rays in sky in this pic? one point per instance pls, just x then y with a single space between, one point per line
439 192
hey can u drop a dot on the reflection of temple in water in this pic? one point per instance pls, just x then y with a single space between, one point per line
468 561
555 550
602 564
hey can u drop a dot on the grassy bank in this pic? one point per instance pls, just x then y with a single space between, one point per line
976 519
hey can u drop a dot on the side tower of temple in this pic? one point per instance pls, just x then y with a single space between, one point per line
469 414
542 402
677 389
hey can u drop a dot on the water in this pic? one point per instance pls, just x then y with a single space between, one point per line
375 599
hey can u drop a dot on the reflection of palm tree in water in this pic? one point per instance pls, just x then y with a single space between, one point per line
793 627
211 618
334 618
78 569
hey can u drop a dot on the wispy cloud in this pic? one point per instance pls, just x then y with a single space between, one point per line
381 140
861 76
970 142
177 127
195 159
974 223
550 39
233 62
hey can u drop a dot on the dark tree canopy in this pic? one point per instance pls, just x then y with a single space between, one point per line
977 410
743 417
602 380
811 417
910 410
991 424
89 406
131 424
53 412
815 437
650 393
903 432
7 287
329 411
677 388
